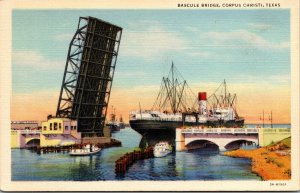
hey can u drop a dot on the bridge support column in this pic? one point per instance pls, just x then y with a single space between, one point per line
222 148
180 140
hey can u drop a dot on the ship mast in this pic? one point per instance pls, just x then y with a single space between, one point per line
225 97
174 89
174 94
222 98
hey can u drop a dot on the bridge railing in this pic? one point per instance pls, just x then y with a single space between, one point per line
276 130
30 132
220 130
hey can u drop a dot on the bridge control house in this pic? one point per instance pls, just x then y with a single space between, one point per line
59 132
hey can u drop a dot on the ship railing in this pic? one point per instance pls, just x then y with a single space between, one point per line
157 119
220 130
146 118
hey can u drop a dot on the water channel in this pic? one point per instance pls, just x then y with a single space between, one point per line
206 164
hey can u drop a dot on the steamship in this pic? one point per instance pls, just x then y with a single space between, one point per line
113 124
177 106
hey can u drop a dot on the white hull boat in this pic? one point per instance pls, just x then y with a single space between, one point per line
162 149
86 150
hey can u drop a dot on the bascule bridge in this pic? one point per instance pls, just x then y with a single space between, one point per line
88 75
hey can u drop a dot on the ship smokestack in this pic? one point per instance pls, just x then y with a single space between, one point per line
202 103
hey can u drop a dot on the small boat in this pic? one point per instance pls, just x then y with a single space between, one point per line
86 150
162 149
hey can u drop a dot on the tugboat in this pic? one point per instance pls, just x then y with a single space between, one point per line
162 149
177 106
86 150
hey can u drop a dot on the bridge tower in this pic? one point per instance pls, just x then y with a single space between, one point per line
88 74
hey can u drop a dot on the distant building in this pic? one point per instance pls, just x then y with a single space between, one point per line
14 138
20 125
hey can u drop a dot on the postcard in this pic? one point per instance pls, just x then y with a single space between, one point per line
149 95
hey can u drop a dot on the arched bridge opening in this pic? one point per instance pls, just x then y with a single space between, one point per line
32 143
202 145
241 144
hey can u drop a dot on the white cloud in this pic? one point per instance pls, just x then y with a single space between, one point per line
26 57
151 43
202 54
192 29
63 37
152 39
265 81
283 78
244 38
136 74
260 26
34 59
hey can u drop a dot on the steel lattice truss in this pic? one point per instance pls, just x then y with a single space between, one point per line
89 74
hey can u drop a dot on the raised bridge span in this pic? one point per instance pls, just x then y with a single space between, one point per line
224 138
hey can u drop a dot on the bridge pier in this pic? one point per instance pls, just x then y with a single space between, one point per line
222 148
179 140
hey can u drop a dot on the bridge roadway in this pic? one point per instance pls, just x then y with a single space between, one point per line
222 137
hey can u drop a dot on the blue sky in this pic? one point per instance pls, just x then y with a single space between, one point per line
206 45
248 48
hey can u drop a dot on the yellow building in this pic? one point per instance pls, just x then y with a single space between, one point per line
59 132
15 139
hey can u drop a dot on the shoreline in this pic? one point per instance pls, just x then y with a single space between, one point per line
270 163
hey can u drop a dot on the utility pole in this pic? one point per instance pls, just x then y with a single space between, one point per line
140 110
263 118
271 119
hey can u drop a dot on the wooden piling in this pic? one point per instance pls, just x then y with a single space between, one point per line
125 161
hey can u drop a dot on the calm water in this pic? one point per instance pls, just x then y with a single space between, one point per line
197 165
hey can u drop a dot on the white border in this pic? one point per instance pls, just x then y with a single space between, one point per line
6 184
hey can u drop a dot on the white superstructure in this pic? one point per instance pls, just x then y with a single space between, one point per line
162 149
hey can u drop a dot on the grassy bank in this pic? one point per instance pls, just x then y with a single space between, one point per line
272 162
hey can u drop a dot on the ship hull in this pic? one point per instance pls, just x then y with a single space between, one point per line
144 126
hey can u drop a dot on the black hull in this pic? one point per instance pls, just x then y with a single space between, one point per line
154 131
144 126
